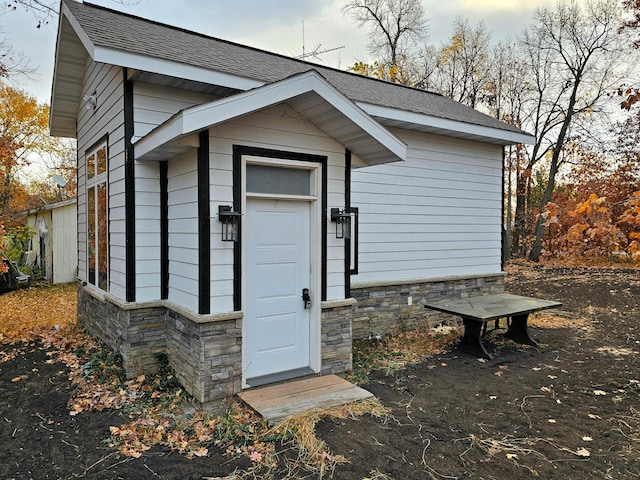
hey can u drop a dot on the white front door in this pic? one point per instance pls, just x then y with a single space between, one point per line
277 324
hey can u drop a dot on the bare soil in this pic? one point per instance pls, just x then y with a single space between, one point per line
568 409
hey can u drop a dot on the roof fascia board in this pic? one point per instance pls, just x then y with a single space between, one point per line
82 35
173 69
505 136
210 114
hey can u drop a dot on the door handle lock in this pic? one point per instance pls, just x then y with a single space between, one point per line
306 298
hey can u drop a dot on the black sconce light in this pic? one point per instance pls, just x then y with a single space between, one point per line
230 223
342 219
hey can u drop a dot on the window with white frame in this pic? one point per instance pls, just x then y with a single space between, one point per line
97 218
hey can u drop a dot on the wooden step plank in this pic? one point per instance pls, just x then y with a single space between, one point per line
276 402
268 401
276 414
289 388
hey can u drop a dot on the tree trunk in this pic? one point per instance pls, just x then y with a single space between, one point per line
536 250
520 222
508 233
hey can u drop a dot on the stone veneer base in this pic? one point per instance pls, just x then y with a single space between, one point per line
384 308
206 352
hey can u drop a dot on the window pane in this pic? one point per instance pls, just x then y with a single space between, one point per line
91 235
91 166
103 252
278 180
102 160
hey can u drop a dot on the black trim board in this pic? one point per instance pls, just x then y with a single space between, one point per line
238 152
164 230
204 226
130 190
347 208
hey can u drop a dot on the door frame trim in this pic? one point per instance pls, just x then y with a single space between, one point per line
317 235
238 198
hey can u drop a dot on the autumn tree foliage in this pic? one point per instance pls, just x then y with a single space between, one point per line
594 214
24 131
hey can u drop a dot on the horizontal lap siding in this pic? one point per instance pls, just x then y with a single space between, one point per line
437 214
154 105
147 209
183 232
107 119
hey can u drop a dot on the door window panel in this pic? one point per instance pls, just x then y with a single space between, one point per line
278 180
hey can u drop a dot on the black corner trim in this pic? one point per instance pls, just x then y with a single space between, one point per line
347 206
204 227
164 230
130 191
238 152
503 233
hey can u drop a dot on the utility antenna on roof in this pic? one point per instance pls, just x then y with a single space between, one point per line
316 52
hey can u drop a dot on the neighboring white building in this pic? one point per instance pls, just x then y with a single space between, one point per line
54 246
178 131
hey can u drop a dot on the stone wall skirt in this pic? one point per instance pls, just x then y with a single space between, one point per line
385 308
206 351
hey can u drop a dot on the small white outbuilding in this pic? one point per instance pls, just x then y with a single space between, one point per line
54 245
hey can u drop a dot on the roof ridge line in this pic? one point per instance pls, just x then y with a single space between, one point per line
248 47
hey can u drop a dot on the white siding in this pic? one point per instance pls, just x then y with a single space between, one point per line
154 105
437 214
183 232
147 211
108 118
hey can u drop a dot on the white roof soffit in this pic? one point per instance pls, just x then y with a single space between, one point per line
309 93
72 46
418 121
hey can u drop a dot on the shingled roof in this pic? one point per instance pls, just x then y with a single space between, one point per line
116 31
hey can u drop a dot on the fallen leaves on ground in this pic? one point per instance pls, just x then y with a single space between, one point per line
26 312
156 404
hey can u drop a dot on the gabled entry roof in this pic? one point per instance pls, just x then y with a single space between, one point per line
308 93
190 60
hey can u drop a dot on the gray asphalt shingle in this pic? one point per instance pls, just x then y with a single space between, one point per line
115 30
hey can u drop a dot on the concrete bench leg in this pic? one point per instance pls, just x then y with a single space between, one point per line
472 339
518 331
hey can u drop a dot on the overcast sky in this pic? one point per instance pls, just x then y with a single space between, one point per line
274 25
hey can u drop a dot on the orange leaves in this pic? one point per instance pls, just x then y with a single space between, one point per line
25 312
596 228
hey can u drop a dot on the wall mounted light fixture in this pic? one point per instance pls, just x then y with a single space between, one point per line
342 219
90 101
230 222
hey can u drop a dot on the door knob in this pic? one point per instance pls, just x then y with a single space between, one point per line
306 298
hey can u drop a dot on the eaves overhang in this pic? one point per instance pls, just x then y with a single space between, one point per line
391 117
74 48
308 93
72 52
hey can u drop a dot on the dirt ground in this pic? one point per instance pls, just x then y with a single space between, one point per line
569 409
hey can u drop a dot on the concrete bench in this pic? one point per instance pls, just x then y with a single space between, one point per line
477 311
